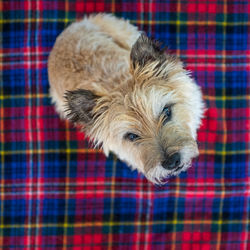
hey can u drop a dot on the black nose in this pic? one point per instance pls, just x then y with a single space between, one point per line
172 161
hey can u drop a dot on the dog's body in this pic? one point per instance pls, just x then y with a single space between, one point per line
127 94
92 54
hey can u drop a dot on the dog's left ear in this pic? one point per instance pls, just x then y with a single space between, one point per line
146 50
79 105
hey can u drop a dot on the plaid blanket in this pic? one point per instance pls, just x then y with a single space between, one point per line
58 193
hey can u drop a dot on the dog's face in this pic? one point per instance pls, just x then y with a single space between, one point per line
150 121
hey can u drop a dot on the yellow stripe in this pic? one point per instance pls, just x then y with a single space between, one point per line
224 152
153 22
45 151
224 124
223 98
3 97
125 223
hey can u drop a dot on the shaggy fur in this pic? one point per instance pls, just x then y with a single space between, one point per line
112 80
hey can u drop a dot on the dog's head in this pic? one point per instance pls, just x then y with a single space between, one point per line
150 121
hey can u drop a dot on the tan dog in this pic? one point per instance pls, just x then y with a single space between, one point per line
129 96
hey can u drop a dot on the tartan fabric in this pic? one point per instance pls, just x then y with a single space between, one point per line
58 193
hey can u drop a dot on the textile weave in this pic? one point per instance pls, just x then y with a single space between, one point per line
59 193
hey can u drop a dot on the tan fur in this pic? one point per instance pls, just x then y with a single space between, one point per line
94 55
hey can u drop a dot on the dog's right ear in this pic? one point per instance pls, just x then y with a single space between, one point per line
146 50
79 105
148 59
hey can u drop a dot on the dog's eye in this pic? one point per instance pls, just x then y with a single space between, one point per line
167 114
131 137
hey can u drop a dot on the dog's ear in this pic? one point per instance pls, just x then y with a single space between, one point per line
149 60
79 105
146 50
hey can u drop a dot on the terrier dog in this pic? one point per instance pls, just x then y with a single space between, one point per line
128 95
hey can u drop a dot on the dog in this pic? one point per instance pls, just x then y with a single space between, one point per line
127 94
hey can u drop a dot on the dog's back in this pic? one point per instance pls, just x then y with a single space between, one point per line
91 54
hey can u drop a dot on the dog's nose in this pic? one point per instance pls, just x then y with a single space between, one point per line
172 161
